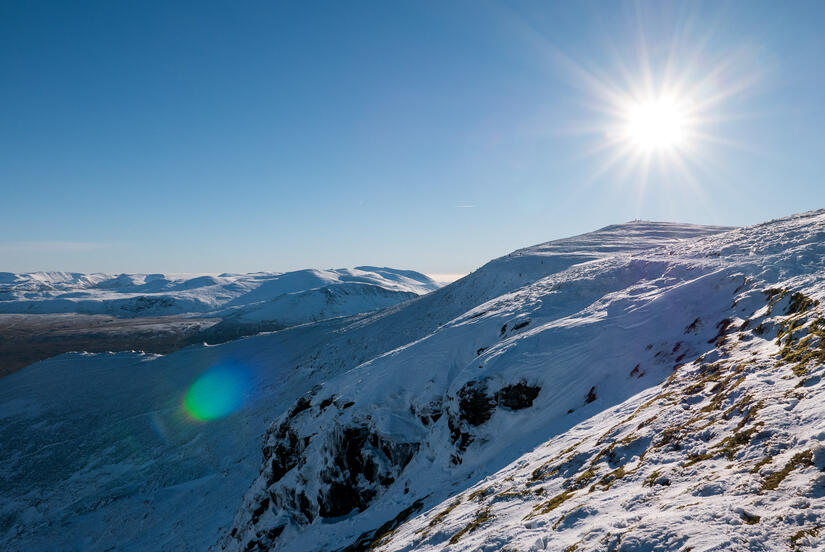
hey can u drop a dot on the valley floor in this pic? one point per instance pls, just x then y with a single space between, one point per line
28 338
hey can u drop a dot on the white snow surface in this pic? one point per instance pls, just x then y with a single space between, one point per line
291 297
620 390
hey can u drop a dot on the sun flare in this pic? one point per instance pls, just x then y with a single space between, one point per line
660 119
656 125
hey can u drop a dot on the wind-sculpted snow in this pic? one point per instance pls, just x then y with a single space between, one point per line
566 412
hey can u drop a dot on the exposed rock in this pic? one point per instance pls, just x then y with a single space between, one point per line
518 396
521 325
326 402
475 406
362 462
281 452
302 404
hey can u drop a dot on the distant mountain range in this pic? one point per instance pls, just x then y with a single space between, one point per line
255 296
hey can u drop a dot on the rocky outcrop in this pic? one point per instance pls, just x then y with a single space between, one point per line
476 406
306 476
361 463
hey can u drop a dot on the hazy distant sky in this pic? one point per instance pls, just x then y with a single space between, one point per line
241 136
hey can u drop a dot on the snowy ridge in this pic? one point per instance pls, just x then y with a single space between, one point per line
517 380
138 295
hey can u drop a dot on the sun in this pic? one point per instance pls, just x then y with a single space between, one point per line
654 110
656 125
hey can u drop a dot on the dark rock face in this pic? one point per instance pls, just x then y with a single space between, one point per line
363 462
264 540
341 499
343 471
302 404
326 403
281 452
521 325
518 396
476 406
591 395
259 510
356 465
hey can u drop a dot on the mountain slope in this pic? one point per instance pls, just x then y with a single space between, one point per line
413 430
100 451
726 454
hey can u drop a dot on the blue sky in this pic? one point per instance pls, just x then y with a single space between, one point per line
227 136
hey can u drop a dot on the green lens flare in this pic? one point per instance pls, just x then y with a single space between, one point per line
217 392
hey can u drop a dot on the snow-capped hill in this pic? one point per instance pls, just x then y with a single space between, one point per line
299 307
409 432
273 286
128 281
139 295
403 277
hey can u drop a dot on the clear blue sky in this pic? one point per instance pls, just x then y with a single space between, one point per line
242 136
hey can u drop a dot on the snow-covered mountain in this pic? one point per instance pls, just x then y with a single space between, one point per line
648 386
244 297
607 391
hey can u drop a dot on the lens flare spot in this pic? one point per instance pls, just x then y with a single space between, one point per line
216 393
